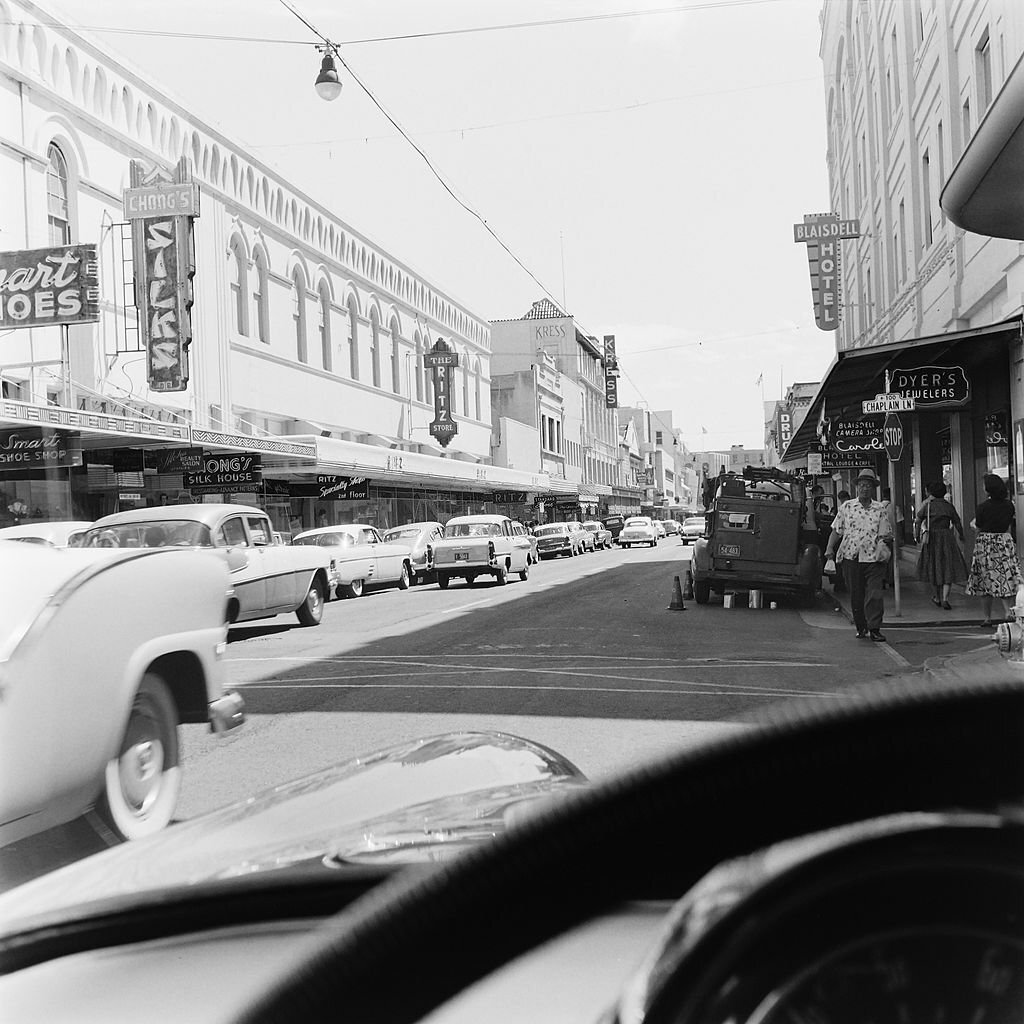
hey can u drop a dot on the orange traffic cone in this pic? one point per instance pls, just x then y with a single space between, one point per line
677 597
688 588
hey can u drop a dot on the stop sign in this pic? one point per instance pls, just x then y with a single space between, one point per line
892 436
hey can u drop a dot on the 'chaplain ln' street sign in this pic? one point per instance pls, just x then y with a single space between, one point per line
889 402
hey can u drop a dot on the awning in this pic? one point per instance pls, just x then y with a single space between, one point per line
859 374
985 192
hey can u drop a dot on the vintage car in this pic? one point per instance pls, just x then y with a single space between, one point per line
420 539
693 527
638 530
554 539
671 527
482 545
584 538
89 716
362 558
53 534
758 538
601 534
266 578
614 523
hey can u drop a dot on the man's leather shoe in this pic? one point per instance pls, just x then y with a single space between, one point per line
877 636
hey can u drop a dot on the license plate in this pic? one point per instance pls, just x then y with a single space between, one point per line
729 549
461 556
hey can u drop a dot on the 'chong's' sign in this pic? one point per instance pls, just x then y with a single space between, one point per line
44 287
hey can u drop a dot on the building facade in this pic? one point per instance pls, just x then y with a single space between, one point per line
308 338
928 310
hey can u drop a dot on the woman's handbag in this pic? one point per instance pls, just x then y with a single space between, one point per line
926 529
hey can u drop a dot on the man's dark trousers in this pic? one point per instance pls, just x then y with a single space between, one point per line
864 581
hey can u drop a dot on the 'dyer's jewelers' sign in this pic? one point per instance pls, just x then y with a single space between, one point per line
48 287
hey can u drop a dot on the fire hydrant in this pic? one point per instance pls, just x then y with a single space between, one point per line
1009 636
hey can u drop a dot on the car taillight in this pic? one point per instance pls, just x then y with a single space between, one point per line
490 550
430 555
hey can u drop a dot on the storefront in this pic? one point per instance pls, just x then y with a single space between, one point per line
959 429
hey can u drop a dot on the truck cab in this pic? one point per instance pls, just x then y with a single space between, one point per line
757 538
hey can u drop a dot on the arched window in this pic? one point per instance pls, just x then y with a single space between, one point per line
299 315
476 378
396 357
325 326
465 385
260 296
375 347
239 286
353 338
57 206
428 375
420 370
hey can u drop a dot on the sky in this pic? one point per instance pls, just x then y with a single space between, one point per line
643 160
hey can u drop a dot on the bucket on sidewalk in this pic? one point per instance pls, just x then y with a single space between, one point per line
727 601
756 599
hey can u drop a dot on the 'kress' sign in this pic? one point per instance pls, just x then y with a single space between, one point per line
45 287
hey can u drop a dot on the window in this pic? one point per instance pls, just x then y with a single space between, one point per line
259 295
983 71
657 437
232 534
353 338
420 368
375 348
239 286
942 166
465 385
299 315
903 242
57 206
258 531
477 376
926 197
396 358
967 121
324 327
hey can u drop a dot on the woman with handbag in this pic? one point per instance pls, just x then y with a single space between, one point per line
940 562
995 571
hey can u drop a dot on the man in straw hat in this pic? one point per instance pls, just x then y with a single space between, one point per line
860 538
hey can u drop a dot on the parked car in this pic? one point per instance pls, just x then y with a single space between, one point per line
554 539
267 579
638 530
614 523
585 539
758 538
527 540
362 558
601 534
481 545
54 535
420 539
672 528
693 527
103 654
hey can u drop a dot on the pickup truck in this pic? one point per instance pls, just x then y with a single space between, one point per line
483 545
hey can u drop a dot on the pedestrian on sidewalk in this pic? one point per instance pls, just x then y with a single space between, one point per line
940 561
860 540
995 570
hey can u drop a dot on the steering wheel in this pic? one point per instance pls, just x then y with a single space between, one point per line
908 744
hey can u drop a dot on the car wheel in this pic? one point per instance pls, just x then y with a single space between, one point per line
141 784
524 573
443 580
701 591
404 581
501 576
353 589
311 611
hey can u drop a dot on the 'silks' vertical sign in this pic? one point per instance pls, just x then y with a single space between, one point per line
821 233
161 209
442 360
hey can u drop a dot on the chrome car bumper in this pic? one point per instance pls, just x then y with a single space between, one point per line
226 713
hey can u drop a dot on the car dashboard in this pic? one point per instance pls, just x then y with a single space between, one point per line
906 918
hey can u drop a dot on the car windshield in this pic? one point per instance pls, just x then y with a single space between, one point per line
278 282
149 534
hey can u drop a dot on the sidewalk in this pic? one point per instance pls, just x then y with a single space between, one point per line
916 606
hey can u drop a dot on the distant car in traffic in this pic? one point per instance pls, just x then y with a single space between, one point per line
54 535
659 527
554 539
419 538
584 538
693 527
614 523
671 527
481 545
103 654
638 530
601 534
267 579
362 558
